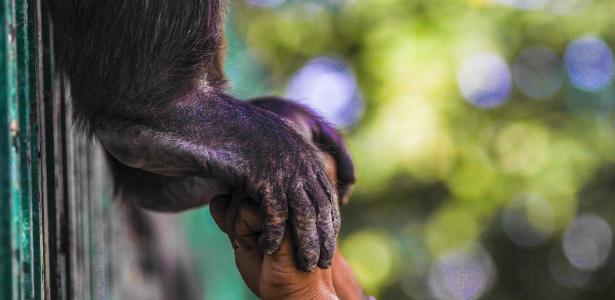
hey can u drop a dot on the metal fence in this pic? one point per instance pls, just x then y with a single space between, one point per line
24 156
58 227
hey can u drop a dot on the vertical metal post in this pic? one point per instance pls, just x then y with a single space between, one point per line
9 163
52 181
52 165
33 32
6 155
27 143
20 254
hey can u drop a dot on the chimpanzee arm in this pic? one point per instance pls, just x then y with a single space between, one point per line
163 193
220 137
146 80
171 193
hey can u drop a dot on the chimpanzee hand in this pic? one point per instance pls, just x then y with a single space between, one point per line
320 134
291 186
323 136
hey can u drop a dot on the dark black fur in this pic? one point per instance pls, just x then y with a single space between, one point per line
126 59
146 80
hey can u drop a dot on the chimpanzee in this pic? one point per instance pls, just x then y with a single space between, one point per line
146 81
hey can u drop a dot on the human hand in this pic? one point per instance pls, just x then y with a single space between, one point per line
274 276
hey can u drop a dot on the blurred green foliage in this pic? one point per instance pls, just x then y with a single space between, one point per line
435 172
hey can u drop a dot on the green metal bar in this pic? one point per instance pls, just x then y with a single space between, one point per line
33 8
6 175
24 61
53 161
10 185
18 177
46 191
62 205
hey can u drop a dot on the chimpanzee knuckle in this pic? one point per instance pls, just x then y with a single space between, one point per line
304 222
275 215
274 207
305 218
257 184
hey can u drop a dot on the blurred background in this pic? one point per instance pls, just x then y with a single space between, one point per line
483 134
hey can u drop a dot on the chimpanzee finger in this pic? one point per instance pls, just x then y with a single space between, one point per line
332 175
325 222
336 217
305 233
274 210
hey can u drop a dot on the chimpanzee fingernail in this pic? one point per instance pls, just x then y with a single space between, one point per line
325 264
305 266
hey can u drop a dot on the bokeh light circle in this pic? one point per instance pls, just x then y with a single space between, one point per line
539 73
565 274
568 7
485 80
589 62
330 88
524 4
463 274
528 220
587 242
372 255
521 148
265 3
